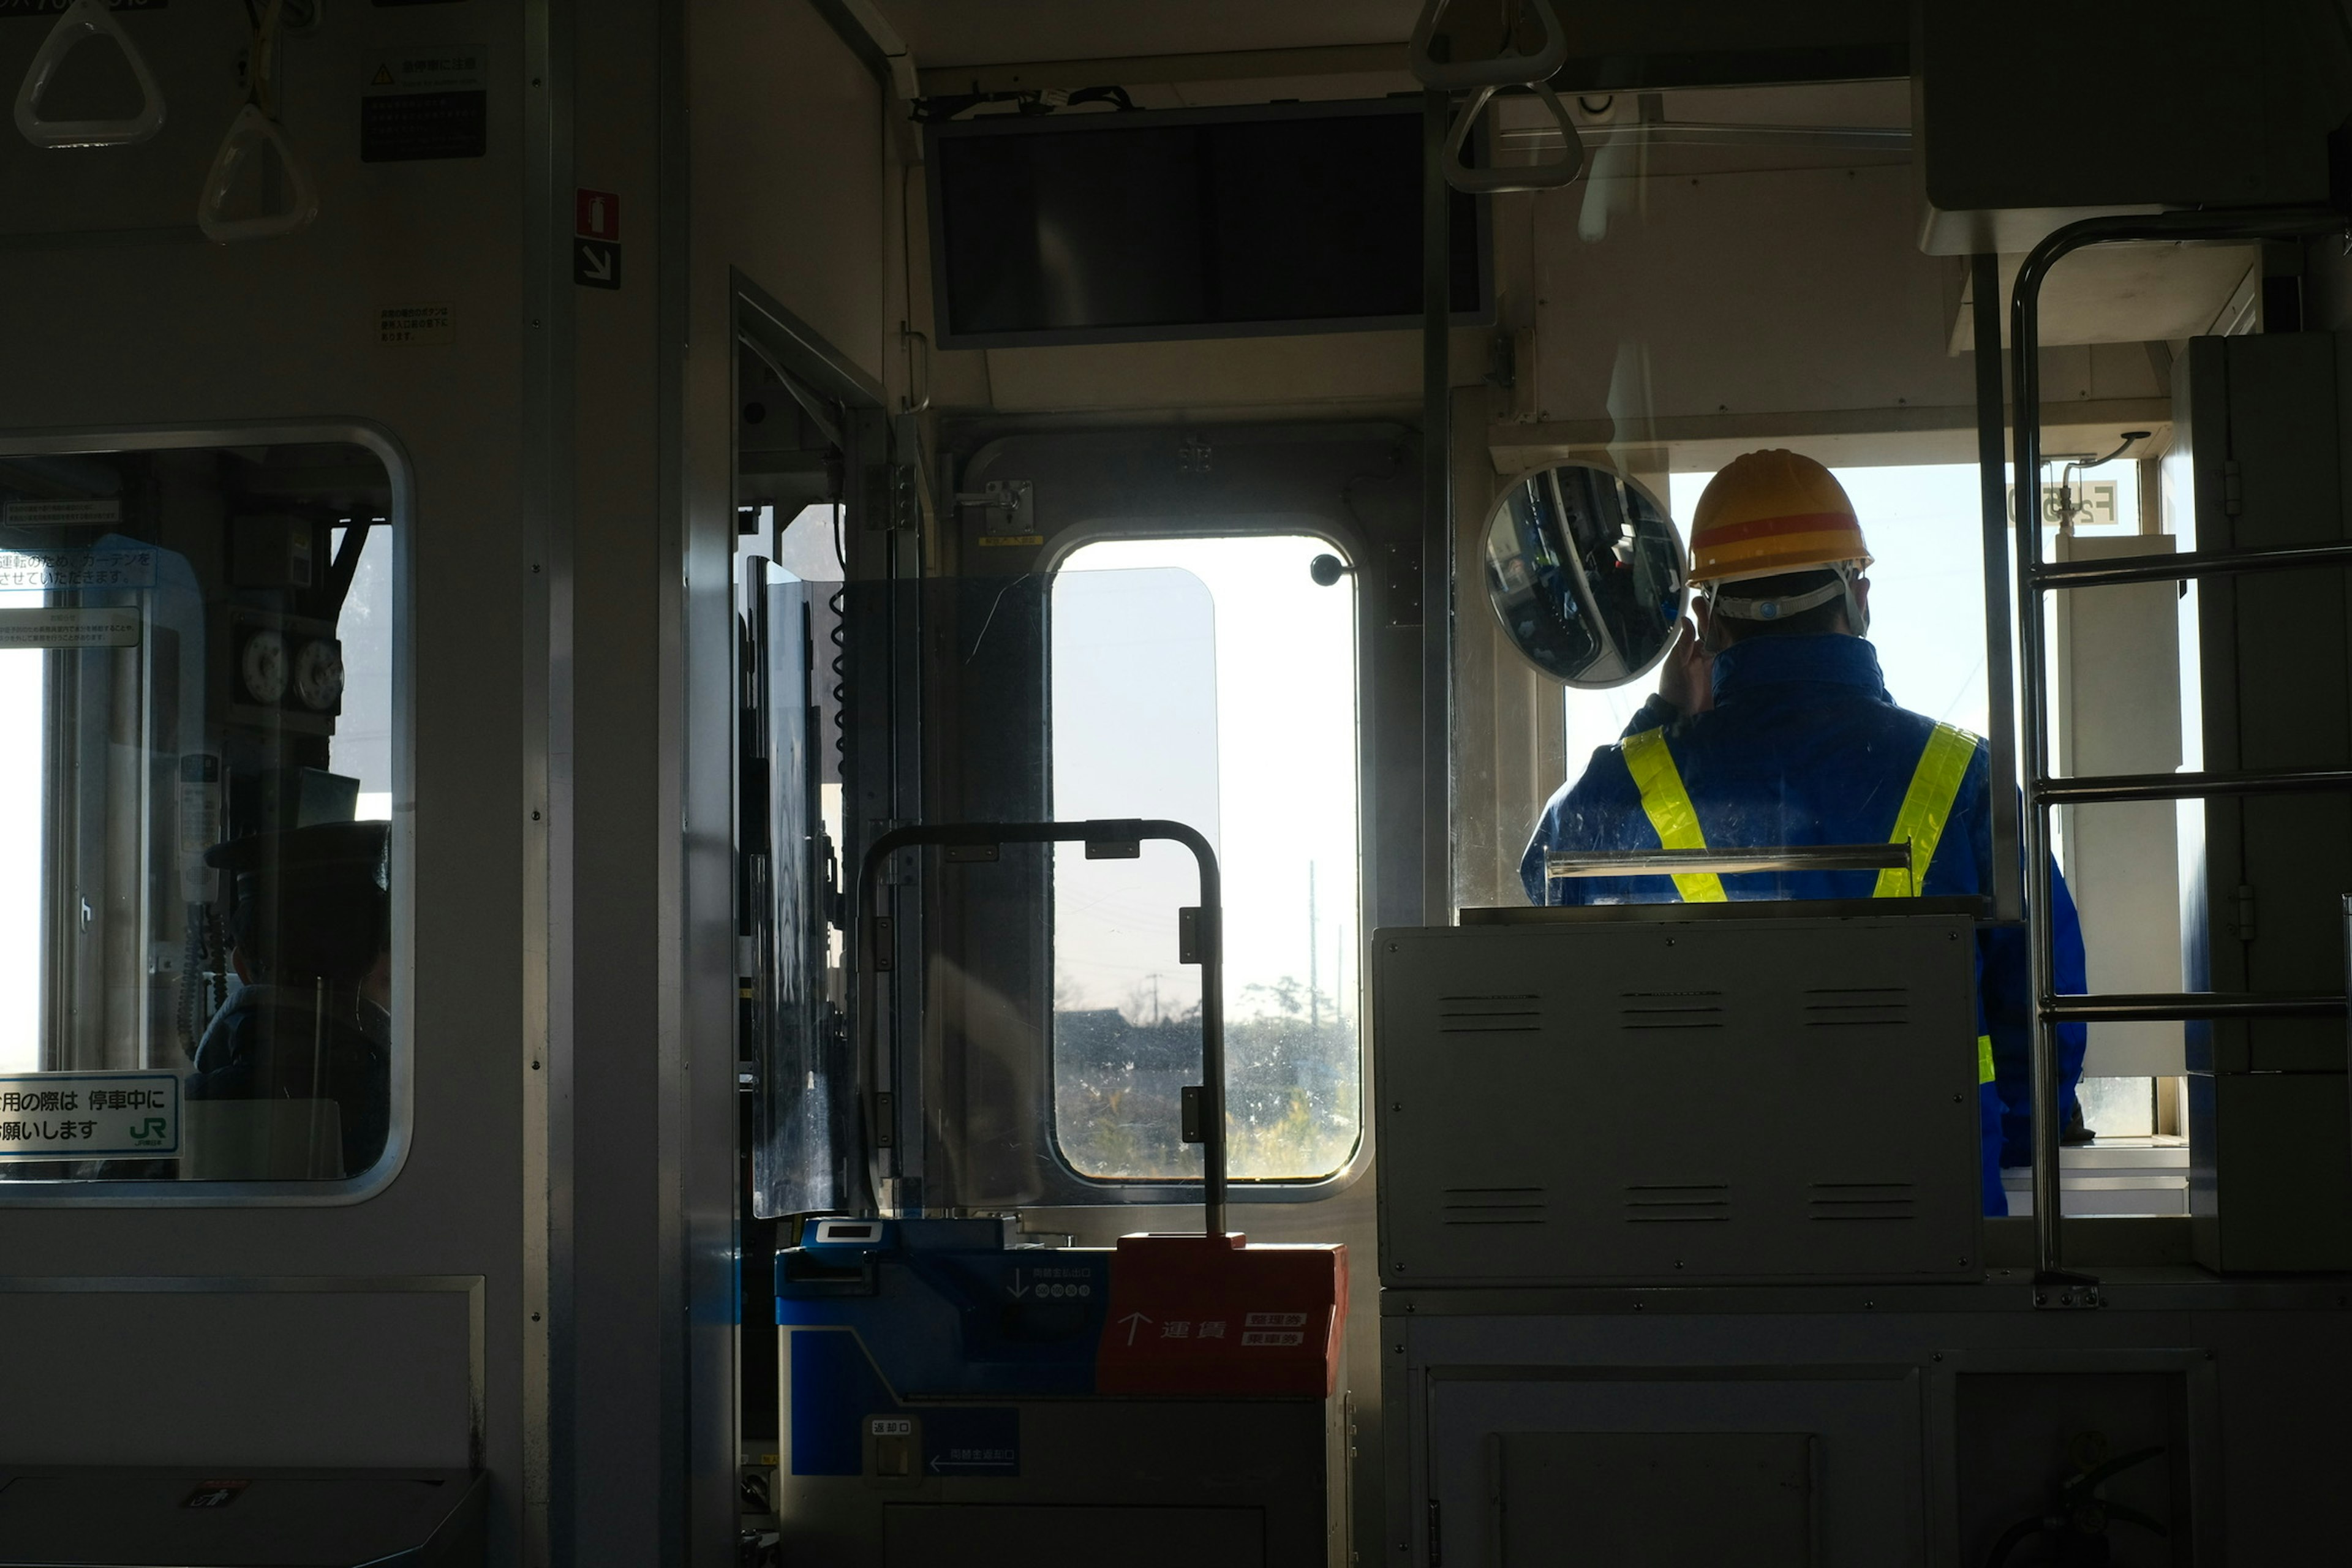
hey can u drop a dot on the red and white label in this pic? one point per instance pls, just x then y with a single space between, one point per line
596 214
1199 1315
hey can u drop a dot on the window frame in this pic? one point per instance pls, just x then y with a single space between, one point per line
1061 547
399 473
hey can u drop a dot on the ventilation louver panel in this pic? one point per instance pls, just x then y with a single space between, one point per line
1670 1009
1518 1013
1493 1206
1678 1203
1858 1006
1863 1201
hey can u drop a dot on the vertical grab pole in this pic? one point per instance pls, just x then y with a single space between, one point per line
1213 1024
1437 507
2001 672
2041 930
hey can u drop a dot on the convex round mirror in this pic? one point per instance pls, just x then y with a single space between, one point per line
1587 572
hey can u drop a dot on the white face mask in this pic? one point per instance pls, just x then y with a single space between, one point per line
1857 612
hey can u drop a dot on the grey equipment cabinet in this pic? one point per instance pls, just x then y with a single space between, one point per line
1680 1094
2256 464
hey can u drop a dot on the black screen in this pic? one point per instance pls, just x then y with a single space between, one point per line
1140 226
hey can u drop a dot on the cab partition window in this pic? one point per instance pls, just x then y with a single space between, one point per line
1212 681
196 788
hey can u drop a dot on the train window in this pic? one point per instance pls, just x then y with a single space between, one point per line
1212 681
196 787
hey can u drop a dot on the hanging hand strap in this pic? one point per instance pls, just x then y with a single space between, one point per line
1494 180
247 134
84 20
254 128
1503 70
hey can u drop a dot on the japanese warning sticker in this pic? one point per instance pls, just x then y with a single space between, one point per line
425 103
69 628
89 1115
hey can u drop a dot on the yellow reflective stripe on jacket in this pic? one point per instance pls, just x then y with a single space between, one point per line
1926 807
1984 1060
1668 805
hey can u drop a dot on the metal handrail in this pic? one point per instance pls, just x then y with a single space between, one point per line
869 953
2122 569
2186 1006
1729 862
2025 374
2091 789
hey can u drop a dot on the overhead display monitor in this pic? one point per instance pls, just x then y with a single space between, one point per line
1127 227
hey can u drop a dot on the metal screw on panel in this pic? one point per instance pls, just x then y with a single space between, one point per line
1957 1099
1940 1355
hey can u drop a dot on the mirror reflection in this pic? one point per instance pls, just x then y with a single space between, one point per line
1587 573
196 876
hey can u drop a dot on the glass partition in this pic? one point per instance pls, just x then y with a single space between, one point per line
196 782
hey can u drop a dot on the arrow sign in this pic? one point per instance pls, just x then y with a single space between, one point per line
1134 1321
596 263
1016 1289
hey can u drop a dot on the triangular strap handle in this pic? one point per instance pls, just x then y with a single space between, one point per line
1503 70
1546 176
248 133
83 20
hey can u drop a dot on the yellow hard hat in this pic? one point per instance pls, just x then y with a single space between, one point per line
1769 512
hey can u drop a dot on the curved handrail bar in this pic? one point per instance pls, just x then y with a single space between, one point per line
1503 70
862 944
81 21
1496 181
2025 392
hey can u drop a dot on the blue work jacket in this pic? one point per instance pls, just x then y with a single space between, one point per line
1805 746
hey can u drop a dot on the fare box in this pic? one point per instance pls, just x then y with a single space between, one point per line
1212 1315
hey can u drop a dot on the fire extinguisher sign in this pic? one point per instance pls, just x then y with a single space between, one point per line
596 239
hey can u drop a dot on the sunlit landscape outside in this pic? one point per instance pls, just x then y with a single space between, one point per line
362 738
1214 681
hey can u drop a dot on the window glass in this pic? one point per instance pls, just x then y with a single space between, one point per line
197 782
1211 681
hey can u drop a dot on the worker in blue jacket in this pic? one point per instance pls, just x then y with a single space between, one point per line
1771 727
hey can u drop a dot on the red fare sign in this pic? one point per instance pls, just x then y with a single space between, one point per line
1189 1314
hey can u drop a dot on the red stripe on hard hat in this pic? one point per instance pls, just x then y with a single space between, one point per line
1770 526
